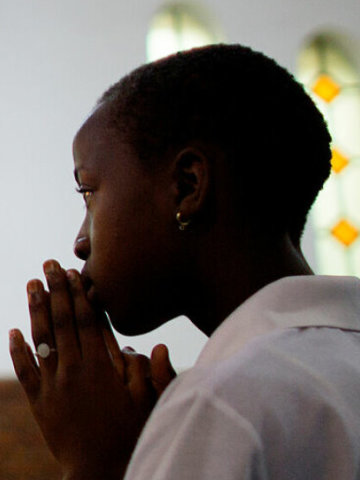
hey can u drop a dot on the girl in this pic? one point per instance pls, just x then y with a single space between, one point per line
192 172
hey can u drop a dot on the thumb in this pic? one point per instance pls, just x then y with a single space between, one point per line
162 371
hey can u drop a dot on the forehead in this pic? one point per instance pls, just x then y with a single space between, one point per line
99 147
96 132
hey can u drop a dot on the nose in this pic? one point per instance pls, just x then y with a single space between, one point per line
82 246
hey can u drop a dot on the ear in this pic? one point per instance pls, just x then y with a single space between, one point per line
192 180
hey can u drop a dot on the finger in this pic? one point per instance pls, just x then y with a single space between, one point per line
62 315
162 372
40 323
24 367
88 322
115 352
138 376
32 358
129 349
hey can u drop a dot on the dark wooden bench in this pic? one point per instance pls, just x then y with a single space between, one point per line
23 452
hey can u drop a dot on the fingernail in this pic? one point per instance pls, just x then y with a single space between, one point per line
51 266
33 286
71 275
34 298
13 335
128 350
33 290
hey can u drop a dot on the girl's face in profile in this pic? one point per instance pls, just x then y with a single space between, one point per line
126 239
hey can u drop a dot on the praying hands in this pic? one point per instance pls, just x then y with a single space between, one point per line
90 399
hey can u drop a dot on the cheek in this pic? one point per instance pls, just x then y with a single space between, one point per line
130 235
118 238
133 271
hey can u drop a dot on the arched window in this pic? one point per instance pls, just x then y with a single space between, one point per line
180 26
331 78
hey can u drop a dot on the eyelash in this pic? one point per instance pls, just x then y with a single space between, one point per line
86 193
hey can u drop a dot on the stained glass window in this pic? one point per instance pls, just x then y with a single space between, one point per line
179 26
331 78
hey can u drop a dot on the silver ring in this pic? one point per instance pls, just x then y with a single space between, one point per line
43 350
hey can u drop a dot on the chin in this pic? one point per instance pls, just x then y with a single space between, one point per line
135 323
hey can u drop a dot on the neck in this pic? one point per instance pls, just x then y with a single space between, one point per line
228 276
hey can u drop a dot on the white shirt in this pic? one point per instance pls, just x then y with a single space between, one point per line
275 393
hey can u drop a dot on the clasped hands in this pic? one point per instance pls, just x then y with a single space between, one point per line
90 399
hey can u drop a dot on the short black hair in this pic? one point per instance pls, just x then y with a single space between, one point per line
274 138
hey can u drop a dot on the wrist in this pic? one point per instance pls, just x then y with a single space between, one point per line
93 476
98 474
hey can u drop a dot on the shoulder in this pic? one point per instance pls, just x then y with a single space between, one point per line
193 433
276 374
258 407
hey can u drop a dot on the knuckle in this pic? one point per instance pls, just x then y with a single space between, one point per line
68 375
36 307
22 374
142 359
41 337
60 320
138 362
15 350
56 281
84 319
36 301
77 286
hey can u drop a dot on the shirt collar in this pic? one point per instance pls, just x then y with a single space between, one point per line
299 301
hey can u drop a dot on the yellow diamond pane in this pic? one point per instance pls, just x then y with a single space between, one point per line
345 233
338 161
326 88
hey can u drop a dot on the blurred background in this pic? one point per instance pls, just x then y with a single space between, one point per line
57 57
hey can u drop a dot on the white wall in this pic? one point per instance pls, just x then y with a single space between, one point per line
57 56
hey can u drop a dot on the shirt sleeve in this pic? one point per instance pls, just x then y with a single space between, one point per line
201 437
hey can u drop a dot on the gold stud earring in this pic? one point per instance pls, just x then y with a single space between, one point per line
181 223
